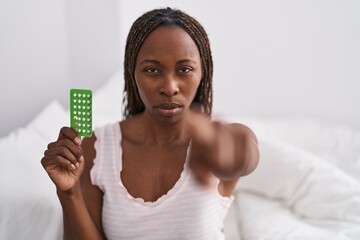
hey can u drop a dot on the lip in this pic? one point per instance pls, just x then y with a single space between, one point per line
168 109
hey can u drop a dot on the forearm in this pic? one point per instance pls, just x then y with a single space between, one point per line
78 223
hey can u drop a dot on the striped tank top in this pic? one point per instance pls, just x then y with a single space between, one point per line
187 211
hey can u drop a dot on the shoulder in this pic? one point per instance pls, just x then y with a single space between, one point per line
88 144
132 128
88 149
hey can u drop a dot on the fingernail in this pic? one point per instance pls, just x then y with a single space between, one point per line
77 164
73 167
78 140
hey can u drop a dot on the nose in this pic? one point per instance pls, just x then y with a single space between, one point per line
169 87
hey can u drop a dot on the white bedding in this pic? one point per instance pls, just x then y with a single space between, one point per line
294 194
307 185
29 208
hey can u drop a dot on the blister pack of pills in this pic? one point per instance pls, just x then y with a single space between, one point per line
81 111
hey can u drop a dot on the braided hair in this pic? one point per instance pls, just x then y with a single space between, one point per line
140 29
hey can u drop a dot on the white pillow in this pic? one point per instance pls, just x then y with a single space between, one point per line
29 207
339 145
309 186
262 218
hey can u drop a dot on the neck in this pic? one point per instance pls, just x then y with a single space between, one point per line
162 133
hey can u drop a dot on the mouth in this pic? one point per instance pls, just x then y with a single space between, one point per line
168 109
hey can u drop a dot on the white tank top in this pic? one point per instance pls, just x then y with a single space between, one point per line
187 211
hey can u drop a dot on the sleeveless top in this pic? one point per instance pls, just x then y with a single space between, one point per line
187 211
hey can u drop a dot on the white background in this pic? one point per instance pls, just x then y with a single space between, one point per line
272 59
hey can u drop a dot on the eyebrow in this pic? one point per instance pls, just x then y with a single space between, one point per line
184 61
150 61
158 62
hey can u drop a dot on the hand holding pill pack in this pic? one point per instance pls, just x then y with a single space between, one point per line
81 111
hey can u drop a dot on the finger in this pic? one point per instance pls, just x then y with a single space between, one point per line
75 149
51 162
203 131
226 148
81 160
66 132
63 152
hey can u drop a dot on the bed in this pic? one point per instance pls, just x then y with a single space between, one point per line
307 185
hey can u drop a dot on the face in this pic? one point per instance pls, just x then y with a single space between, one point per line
167 73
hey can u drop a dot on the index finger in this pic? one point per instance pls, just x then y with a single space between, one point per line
201 128
66 132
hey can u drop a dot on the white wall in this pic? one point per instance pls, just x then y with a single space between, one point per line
93 32
48 47
279 58
272 58
34 58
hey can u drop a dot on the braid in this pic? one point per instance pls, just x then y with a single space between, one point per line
141 28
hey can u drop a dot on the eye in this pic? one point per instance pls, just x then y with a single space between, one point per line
151 70
185 70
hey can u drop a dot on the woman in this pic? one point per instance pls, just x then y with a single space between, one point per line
167 171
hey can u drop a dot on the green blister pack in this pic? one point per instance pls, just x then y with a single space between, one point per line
81 111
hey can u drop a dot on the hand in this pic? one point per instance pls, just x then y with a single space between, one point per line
63 160
212 148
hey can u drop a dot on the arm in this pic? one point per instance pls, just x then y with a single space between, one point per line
68 164
245 158
245 154
78 222
227 151
82 206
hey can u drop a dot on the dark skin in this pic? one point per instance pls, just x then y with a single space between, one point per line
155 143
